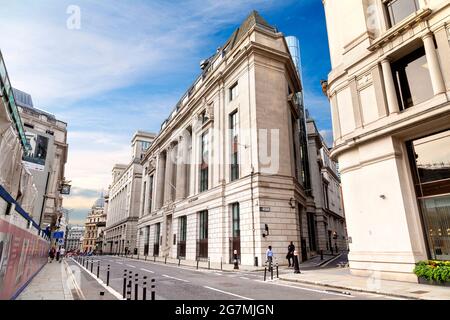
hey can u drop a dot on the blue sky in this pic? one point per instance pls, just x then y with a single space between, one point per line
130 62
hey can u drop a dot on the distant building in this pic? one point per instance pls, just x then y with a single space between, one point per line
328 222
94 227
74 237
123 198
45 158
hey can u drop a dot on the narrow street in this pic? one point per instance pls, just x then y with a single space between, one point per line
185 283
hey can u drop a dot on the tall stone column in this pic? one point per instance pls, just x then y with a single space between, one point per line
391 94
437 80
168 178
180 191
160 175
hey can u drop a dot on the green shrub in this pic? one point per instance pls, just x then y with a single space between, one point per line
433 270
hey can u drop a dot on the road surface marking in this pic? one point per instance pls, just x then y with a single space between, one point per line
165 275
108 288
244 278
229 293
146 270
309 289
119 262
218 274
129 265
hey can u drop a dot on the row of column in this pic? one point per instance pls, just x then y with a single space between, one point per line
172 170
437 80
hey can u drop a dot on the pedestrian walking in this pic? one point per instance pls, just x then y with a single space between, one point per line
58 253
51 254
290 254
269 256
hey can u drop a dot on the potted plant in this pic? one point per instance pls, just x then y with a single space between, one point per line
433 272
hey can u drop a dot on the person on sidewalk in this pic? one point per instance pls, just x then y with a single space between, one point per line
51 254
290 254
269 255
58 253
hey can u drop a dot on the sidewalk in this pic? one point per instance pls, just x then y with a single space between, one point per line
49 284
342 279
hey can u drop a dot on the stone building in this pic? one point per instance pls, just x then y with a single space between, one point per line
45 158
389 90
94 227
74 235
225 172
123 199
329 233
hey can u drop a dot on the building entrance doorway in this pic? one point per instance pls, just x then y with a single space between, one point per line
430 162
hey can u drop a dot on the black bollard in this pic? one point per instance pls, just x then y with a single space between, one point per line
197 263
153 289
321 254
209 263
124 282
296 264
265 271
144 288
277 271
271 272
179 261
236 263
129 291
165 260
220 263
92 265
107 275
130 280
98 268
136 292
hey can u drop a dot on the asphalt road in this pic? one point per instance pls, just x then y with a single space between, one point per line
186 283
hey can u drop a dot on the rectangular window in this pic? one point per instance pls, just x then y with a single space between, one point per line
143 198
412 79
181 252
311 220
234 91
325 195
202 242
400 9
157 236
294 144
234 169
204 163
236 220
150 194
430 161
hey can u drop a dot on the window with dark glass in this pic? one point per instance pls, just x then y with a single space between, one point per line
182 237
157 237
311 220
234 92
400 9
325 195
236 220
294 144
204 163
150 194
234 169
412 79
202 242
430 160
143 198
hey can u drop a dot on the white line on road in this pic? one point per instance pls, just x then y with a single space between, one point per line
218 274
244 278
225 292
129 265
309 289
146 270
165 275
119 262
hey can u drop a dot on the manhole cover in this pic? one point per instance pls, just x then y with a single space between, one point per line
419 292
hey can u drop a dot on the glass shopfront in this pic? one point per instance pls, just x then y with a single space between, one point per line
430 159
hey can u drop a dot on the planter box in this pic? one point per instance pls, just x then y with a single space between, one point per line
432 282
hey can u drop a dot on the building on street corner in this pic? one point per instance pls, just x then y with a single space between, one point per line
389 90
74 235
123 198
226 170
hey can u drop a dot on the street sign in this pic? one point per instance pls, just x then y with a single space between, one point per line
58 235
61 242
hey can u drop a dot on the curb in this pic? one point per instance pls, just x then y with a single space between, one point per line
330 260
390 294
